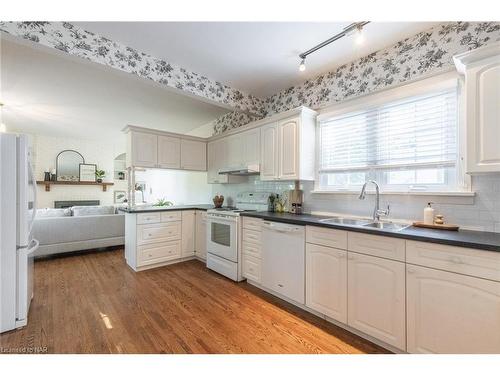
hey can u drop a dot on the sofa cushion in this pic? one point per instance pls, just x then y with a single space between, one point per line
53 212
92 210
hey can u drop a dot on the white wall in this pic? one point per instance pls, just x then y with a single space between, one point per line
100 152
179 187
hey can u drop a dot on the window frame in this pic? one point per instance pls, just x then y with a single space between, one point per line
401 92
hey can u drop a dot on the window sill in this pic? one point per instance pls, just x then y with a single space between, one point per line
421 193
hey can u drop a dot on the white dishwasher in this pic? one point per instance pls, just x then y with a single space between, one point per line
283 259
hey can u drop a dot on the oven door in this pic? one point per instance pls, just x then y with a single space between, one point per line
222 237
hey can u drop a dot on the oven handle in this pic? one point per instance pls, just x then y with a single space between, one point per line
219 219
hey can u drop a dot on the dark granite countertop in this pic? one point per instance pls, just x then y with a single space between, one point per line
463 238
147 208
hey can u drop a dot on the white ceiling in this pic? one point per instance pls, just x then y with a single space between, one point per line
256 57
46 93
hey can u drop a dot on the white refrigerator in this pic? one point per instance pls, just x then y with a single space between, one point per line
17 212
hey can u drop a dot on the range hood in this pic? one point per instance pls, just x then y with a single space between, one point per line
248 170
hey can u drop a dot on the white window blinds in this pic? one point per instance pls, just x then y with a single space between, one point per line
416 132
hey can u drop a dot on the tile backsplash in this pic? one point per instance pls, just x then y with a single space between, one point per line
481 212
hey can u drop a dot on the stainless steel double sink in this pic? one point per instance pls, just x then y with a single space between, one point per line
365 223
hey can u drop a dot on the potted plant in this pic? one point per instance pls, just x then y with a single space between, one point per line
99 174
162 203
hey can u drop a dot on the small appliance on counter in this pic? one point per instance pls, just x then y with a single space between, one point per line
295 199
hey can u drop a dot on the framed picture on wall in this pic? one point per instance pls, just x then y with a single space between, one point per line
120 196
87 172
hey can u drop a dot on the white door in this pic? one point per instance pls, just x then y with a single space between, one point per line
376 298
288 135
188 233
269 152
451 313
144 150
169 152
235 151
251 147
193 155
201 234
326 281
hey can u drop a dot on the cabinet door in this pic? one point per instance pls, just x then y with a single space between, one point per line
216 158
193 155
144 150
188 233
269 152
483 117
326 281
169 152
451 313
201 234
288 135
251 147
376 298
235 151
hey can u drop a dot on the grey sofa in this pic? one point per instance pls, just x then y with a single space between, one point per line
74 229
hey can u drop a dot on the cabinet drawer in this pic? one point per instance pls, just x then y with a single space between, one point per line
252 249
251 268
158 252
326 237
252 223
171 216
472 262
252 236
148 218
151 233
380 246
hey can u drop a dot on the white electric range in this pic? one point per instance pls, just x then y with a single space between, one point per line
224 234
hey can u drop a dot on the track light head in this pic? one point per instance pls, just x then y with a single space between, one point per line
302 65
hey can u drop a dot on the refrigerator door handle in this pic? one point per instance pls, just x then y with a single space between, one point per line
33 215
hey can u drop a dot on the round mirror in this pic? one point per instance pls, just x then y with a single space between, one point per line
68 165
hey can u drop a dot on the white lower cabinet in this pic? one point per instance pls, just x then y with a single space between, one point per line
201 235
376 298
451 313
326 281
188 233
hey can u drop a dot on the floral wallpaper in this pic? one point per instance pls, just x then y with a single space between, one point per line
426 53
232 120
71 39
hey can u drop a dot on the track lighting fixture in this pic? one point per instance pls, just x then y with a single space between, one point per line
356 27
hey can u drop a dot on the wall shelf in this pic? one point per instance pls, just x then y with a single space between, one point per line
80 183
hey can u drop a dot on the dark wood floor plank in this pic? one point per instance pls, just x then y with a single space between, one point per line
93 303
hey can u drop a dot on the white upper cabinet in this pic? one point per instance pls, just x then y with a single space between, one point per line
234 157
481 70
451 313
169 155
216 159
193 155
149 148
269 152
288 135
251 147
143 150
287 148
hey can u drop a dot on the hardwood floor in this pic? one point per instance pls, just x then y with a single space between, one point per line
93 303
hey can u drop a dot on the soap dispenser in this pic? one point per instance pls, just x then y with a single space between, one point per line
429 214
